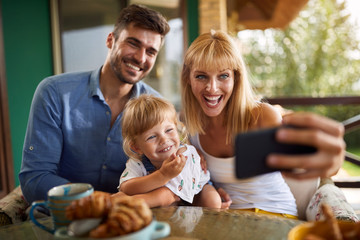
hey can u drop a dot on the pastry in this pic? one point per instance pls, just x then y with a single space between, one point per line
127 215
97 205
122 215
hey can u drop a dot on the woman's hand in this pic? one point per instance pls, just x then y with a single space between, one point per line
320 132
202 161
225 198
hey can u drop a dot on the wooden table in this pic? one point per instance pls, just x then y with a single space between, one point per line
189 223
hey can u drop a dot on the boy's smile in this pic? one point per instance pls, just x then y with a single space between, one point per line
159 142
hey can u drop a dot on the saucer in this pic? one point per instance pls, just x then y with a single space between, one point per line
154 230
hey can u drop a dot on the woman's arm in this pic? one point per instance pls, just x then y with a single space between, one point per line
269 116
318 131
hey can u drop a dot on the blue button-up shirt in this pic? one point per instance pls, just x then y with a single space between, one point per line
69 137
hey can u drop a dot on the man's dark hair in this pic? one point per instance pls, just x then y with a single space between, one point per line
142 17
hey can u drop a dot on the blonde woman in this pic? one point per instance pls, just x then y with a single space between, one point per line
218 102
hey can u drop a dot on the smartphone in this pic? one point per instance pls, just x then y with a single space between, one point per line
252 148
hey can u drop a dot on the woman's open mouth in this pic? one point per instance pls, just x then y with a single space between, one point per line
212 101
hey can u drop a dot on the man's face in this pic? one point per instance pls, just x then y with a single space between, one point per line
133 54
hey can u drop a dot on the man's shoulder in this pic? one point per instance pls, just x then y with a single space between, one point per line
68 77
66 80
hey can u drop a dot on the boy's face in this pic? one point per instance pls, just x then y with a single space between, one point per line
159 142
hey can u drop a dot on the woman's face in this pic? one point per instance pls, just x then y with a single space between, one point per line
212 89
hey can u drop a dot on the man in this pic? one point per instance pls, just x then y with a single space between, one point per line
74 130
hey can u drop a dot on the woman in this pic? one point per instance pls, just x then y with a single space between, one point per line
218 103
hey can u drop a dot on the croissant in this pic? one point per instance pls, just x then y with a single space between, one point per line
97 205
122 215
127 215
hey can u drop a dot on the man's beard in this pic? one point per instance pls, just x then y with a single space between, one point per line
117 69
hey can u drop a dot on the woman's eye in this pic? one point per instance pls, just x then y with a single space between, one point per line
200 77
224 76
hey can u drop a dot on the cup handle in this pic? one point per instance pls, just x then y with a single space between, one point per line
33 219
162 229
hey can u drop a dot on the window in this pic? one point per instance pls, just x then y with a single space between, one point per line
80 28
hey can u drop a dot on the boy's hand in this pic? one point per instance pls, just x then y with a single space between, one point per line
174 165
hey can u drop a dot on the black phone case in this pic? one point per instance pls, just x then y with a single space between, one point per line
252 148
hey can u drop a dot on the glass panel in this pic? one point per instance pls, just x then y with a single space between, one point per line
165 77
84 26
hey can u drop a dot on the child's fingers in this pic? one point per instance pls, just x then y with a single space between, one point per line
181 150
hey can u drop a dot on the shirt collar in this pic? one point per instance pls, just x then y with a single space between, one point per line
135 91
95 85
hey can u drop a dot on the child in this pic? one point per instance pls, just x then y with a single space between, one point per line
152 141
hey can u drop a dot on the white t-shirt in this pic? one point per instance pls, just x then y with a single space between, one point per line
268 192
187 184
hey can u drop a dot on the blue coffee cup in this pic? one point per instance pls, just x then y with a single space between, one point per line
59 198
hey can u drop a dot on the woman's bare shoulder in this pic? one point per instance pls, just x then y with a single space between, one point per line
269 116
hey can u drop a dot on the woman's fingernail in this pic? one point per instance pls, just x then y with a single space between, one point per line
271 160
281 134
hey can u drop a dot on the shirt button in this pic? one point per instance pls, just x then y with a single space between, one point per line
107 113
109 139
31 148
104 167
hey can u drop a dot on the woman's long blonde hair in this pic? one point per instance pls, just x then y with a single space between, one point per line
217 50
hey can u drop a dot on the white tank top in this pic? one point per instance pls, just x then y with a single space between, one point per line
268 192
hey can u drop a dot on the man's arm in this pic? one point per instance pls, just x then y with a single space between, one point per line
43 145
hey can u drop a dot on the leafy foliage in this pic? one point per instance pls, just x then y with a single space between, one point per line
317 55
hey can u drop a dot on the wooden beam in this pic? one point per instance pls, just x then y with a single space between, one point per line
308 101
